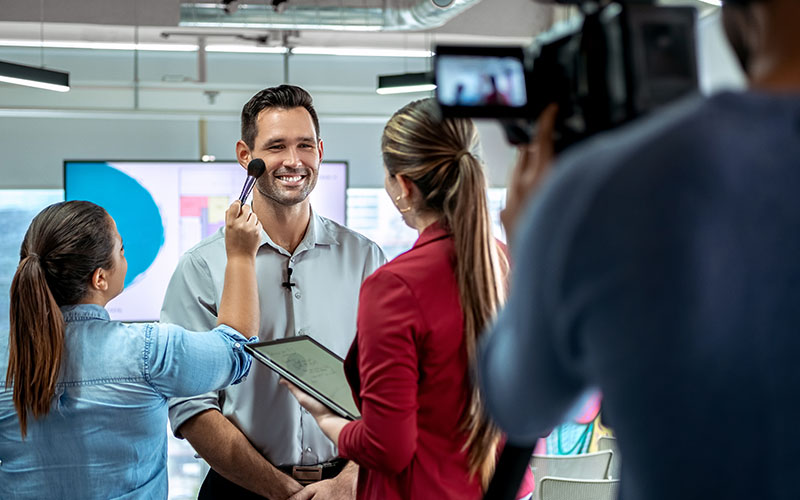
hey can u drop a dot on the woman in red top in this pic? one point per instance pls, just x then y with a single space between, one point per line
423 432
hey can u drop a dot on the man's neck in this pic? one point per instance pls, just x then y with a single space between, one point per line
285 225
776 63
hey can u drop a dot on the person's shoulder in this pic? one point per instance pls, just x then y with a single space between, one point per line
653 133
209 244
208 252
665 139
346 236
391 276
419 265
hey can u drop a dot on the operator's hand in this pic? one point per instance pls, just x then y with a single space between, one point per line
242 231
533 164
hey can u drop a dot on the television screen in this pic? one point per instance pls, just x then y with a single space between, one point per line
163 208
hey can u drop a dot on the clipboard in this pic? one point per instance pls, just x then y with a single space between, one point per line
310 366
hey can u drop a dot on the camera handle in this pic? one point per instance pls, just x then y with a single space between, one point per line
518 130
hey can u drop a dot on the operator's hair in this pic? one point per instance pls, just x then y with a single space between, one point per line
62 248
281 97
440 157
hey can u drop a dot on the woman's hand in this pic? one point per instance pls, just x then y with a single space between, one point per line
314 407
242 231
330 423
533 164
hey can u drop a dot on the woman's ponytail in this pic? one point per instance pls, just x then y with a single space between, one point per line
439 156
36 341
65 243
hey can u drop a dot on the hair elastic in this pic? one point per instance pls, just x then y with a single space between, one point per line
460 154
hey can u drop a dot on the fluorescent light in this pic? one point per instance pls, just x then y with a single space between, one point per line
248 49
355 51
66 44
717 3
403 83
234 48
407 89
31 76
274 26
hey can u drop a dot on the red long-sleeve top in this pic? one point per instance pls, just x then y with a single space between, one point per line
408 369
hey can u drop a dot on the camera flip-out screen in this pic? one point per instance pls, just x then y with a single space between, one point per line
481 81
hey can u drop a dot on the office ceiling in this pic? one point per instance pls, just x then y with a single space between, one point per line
352 23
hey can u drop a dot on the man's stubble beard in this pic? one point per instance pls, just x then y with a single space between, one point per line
269 189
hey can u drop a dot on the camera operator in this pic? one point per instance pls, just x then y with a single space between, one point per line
660 263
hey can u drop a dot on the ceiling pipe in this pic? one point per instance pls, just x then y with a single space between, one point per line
423 14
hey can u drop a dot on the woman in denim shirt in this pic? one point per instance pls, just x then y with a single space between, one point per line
87 415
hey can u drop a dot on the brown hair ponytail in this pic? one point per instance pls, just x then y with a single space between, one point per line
36 342
440 157
63 246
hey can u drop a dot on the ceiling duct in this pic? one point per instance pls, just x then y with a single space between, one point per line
360 15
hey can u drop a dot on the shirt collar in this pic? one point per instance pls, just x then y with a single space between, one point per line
434 232
81 312
318 233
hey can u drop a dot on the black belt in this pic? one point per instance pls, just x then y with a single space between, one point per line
307 474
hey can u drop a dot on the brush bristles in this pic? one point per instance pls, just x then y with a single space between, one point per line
256 167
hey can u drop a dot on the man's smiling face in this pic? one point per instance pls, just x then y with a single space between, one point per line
291 150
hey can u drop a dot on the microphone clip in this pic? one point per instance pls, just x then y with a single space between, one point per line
288 283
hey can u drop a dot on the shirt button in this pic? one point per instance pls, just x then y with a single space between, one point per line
297 295
308 450
237 345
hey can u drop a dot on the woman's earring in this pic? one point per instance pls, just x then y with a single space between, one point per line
397 204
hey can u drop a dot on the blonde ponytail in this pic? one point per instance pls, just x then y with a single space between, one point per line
440 157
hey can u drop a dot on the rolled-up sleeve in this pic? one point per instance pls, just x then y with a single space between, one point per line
180 363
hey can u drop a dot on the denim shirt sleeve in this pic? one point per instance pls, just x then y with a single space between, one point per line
190 301
180 363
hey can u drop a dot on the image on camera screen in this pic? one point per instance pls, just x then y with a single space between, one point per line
480 81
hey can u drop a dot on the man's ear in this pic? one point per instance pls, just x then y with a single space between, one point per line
320 147
98 280
243 155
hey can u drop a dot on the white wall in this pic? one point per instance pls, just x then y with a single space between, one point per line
105 116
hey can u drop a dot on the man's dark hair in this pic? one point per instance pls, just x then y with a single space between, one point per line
281 97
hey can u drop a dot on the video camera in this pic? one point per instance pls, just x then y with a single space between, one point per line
615 63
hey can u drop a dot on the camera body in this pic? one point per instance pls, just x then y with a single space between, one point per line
620 61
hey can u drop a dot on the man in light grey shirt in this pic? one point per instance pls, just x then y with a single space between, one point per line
309 272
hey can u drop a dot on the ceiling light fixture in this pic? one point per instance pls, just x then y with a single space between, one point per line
31 76
245 49
234 48
65 44
355 51
405 83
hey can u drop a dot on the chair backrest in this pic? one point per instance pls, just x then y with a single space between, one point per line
559 488
582 466
610 443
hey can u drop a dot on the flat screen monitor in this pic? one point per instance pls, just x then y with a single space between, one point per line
163 208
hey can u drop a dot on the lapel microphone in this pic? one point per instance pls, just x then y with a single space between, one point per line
288 283
255 168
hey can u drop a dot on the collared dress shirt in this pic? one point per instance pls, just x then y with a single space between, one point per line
104 435
328 267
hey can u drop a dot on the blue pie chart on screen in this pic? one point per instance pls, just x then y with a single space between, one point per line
129 203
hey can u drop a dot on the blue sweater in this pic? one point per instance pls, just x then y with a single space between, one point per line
661 264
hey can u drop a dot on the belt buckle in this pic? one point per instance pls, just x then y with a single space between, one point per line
307 474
